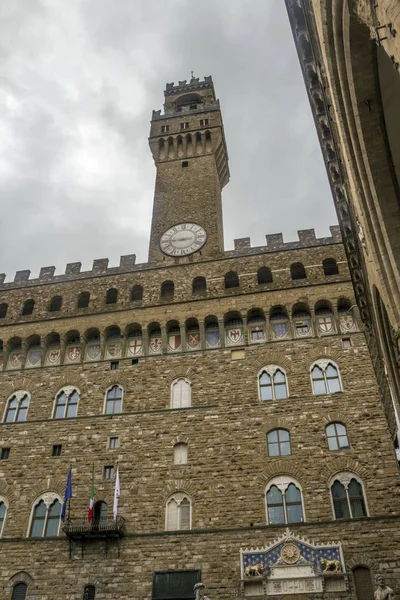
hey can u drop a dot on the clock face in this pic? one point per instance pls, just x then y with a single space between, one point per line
183 239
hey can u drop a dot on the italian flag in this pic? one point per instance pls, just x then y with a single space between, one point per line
91 501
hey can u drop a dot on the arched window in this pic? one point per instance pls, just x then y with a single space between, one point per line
199 285
231 280
114 400
3 510
89 593
256 326
336 435
55 304
297 271
45 518
279 322
284 501
178 512
324 317
137 293
112 296
301 320
99 520
3 310
279 442
264 275
348 496
192 334
212 332
83 299
272 383
363 583
27 307
325 377
167 289
19 591
66 405
180 454
17 407
181 393
330 266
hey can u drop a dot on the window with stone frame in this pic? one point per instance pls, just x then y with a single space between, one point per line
17 407
45 518
83 300
284 501
178 512
297 271
272 383
112 296
19 591
348 498
3 512
66 404
181 393
278 441
336 436
3 310
325 377
27 307
180 454
137 293
113 400
231 280
55 304
330 266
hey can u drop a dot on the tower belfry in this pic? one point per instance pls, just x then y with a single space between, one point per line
188 146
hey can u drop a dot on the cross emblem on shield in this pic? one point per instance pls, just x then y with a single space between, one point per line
325 324
135 346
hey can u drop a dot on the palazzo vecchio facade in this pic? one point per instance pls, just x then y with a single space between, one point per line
234 389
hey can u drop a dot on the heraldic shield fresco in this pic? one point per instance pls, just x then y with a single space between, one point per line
293 566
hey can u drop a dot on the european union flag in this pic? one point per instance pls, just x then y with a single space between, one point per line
67 495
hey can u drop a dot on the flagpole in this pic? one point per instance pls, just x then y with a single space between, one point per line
69 500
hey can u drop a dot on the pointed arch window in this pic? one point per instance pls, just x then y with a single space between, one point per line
3 511
45 518
272 383
178 512
17 407
325 378
284 501
336 435
19 591
279 442
181 393
114 400
66 405
348 496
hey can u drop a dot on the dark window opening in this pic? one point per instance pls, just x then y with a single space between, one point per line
19 591
57 450
231 280
199 285
167 289
108 472
264 275
3 310
5 453
330 266
114 365
83 300
27 308
137 293
112 296
297 271
185 163
135 361
55 304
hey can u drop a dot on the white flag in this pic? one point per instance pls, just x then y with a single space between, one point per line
116 494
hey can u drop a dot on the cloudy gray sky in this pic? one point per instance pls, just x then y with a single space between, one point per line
78 82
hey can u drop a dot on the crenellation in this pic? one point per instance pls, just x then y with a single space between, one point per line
22 276
241 243
307 236
274 240
100 265
73 268
2 278
127 261
335 233
46 273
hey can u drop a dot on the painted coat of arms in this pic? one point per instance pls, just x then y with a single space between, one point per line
33 358
325 324
155 345
193 340
53 356
16 360
114 349
135 346
174 341
74 354
234 336
212 337
347 322
93 351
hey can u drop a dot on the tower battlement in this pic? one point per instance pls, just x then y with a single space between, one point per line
185 86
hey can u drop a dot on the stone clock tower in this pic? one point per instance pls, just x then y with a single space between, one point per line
189 150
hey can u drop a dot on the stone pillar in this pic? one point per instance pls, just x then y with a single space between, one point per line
183 336
164 339
221 333
202 331
145 342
